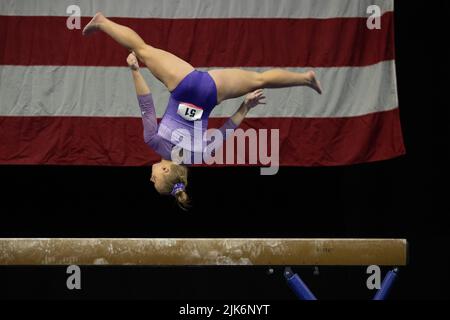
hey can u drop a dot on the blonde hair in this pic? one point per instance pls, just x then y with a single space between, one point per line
178 174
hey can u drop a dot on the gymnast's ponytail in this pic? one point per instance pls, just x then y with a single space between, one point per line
176 185
183 200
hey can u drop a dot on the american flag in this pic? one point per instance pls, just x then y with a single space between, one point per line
69 100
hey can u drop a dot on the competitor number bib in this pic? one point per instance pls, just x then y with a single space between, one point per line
189 111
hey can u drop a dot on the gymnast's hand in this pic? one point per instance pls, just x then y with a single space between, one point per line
251 100
254 98
133 62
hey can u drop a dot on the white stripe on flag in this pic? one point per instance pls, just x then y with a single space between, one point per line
173 9
99 91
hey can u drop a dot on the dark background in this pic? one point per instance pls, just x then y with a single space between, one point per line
402 198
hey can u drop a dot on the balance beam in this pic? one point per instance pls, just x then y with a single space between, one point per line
203 252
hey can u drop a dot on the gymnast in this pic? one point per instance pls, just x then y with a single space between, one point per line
193 95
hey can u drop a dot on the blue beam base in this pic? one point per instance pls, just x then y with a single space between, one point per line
297 285
386 285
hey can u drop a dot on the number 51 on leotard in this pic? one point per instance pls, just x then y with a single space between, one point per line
189 111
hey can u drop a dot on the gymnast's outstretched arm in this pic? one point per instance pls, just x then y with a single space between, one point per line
148 113
145 100
147 107
141 86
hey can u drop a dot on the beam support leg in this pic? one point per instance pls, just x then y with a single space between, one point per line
297 285
387 285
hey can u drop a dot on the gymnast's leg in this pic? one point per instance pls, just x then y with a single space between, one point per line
168 68
233 83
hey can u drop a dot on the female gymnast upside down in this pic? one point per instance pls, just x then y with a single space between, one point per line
193 95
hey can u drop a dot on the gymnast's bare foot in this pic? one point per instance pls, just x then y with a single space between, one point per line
93 25
313 82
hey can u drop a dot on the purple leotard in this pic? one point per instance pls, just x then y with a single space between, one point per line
191 102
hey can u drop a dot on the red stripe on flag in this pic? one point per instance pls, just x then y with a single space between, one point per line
119 141
33 40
